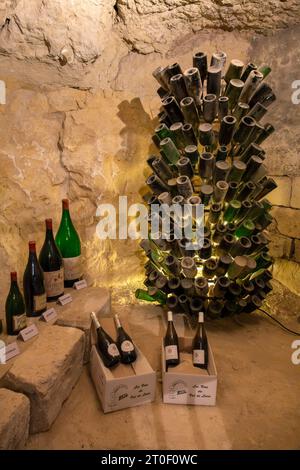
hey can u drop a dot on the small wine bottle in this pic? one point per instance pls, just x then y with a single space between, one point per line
107 348
125 344
33 284
68 242
171 344
15 308
52 265
200 345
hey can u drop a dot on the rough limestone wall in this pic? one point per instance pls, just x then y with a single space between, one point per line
148 23
80 108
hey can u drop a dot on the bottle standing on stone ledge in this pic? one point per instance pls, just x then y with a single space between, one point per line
107 348
15 308
200 345
33 284
52 265
171 344
68 242
125 344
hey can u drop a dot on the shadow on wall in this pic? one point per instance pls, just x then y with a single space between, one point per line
121 261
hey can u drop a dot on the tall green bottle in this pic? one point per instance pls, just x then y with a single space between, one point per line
68 242
15 308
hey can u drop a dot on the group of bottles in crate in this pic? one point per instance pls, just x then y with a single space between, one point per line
113 352
200 354
45 277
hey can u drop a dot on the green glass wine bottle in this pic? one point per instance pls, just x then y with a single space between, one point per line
157 295
15 308
68 242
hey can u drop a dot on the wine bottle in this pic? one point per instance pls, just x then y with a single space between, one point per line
33 284
125 344
14 308
200 345
52 265
68 242
171 344
106 347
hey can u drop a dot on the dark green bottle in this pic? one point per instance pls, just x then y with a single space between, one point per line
68 242
158 296
14 308
52 265
33 285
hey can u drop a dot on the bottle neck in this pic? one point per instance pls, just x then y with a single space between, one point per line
14 288
95 320
49 234
117 321
32 251
66 217
170 317
201 318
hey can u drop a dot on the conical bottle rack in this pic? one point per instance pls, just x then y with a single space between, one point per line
209 152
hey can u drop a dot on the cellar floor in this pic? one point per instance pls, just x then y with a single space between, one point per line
258 401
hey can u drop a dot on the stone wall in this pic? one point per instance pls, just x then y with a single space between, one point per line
81 104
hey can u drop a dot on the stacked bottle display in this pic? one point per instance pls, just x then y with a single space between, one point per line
209 151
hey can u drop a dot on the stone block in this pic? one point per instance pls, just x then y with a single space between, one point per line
295 198
47 373
282 194
280 247
77 313
297 251
288 221
14 419
288 273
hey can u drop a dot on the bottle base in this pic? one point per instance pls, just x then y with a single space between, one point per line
36 314
70 283
55 298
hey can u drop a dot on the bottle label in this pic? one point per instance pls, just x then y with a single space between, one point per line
113 350
54 282
39 302
127 346
19 322
198 356
72 267
171 352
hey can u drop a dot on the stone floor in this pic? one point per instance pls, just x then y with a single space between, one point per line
258 401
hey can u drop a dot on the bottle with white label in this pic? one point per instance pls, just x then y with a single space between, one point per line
33 285
68 242
171 344
52 265
200 345
125 344
14 308
106 347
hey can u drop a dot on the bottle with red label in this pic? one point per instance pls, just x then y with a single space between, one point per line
33 284
52 265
